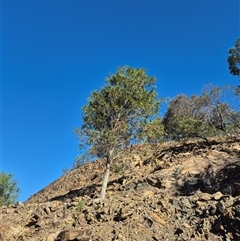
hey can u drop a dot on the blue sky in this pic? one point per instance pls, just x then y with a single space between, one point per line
56 52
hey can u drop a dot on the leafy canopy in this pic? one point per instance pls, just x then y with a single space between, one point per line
202 116
118 113
234 59
9 190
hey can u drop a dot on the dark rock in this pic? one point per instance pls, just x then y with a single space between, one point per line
76 235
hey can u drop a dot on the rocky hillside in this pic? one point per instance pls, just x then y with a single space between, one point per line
175 191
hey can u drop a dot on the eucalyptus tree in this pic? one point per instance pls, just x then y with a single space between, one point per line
117 115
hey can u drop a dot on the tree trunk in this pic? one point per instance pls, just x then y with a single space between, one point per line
105 181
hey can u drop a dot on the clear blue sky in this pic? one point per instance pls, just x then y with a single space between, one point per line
56 52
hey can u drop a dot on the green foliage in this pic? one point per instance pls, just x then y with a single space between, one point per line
115 115
234 119
155 131
178 106
224 114
117 168
9 190
234 59
187 127
182 119
234 62
80 206
200 116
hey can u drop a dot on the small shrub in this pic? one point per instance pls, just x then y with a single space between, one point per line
118 168
9 190
79 206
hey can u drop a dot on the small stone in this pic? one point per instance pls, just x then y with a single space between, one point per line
158 219
217 195
47 209
51 237
221 206
105 210
77 235
212 210
201 204
204 196
186 225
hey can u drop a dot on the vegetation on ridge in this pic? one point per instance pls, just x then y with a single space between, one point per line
126 111
9 190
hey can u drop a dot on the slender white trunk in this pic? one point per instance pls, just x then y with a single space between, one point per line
105 181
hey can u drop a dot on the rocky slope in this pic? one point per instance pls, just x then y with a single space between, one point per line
175 191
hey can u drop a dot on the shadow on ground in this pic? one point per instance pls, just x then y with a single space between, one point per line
226 180
92 190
